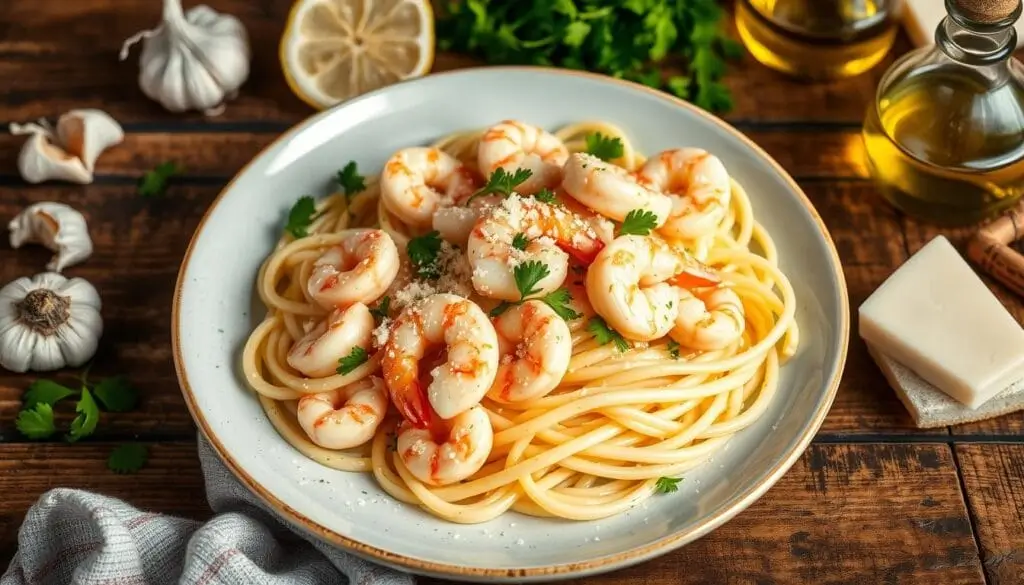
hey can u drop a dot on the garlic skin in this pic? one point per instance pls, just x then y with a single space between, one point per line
48 322
194 60
56 226
41 160
86 133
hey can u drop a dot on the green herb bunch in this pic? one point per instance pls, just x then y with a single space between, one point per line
627 39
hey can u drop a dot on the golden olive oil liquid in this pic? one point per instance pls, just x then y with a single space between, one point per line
947 148
816 38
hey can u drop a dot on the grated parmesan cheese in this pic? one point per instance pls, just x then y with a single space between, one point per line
382 333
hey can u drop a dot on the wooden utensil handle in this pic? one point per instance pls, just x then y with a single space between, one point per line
990 249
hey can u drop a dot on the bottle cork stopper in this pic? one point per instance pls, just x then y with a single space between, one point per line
987 11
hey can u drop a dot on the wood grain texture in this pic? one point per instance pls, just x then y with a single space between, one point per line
992 478
843 515
804 154
171 482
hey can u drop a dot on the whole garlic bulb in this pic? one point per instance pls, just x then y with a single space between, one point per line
192 61
48 322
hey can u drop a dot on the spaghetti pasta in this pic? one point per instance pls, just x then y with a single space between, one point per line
617 422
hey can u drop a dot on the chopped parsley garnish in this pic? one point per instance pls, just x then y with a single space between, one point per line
353 360
604 147
605 334
520 241
128 458
154 182
351 181
638 222
301 217
383 309
667 484
559 301
424 253
502 182
673 348
500 308
546 195
527 275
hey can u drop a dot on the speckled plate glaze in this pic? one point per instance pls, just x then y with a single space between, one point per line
214 312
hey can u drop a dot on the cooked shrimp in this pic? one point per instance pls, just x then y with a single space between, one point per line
358 270
535 346
708 320
346 417
549 233
610 190
513 145
456 451
454 224
631 285
316 355
450 338
698 186
416 181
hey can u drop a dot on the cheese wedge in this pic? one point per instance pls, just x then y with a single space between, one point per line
935 316
922 17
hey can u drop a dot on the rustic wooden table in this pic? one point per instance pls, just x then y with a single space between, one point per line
873 500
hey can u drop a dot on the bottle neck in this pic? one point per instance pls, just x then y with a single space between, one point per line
975 43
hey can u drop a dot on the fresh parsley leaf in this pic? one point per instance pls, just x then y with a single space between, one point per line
154 183
351 181
502 182
667 485
520 241
546 195
88 415
383 308
605 334
559 301
353 360
36 422
128 458
673 349
116 394
301 217
46 392
575 33
604 147
527 275
638 223
500 308
424 254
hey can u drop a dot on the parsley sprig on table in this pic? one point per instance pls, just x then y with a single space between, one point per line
154 182
628 39
114 394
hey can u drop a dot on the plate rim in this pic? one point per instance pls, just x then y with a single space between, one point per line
603 564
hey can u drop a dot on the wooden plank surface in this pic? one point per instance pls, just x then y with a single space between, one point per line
992 477
898 505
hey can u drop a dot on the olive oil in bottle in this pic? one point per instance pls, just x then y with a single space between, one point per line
945 136
818 39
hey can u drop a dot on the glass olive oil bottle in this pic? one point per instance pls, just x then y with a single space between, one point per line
945 136
818 39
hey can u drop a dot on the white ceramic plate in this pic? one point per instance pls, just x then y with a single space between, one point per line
214 313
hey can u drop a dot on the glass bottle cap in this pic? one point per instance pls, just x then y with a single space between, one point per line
987 11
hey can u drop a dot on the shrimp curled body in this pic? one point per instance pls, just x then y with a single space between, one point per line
316 354
708 320
358 270
536 345
610 190
628 285
419 334
417 181
513 145
346 417
698 185
450 456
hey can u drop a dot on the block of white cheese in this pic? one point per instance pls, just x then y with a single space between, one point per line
922 17
935 316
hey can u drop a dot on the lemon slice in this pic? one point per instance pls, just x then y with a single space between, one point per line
334 50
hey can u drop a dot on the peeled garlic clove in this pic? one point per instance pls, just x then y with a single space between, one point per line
86 133
40 160
56 226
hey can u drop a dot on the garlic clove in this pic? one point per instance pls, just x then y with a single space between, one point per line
57 227
86 133
41 160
